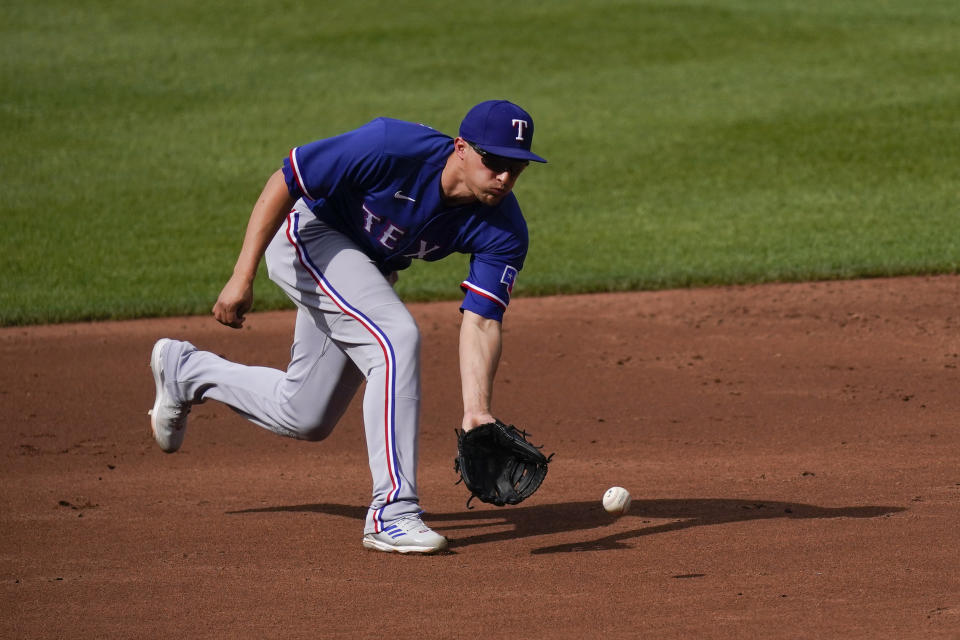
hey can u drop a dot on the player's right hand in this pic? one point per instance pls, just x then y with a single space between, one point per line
234 301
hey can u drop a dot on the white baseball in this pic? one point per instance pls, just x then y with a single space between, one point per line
616 500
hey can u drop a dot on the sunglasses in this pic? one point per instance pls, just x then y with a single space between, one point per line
499 164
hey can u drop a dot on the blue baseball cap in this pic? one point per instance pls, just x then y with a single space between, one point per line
500 128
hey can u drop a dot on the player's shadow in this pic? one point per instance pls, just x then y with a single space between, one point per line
492 524
650 516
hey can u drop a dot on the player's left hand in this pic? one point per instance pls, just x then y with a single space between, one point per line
498 464
472 420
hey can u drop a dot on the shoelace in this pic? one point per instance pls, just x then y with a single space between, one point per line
411 523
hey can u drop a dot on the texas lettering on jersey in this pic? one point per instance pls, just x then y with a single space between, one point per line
389 235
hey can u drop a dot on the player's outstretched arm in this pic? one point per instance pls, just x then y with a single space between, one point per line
480 347
236 297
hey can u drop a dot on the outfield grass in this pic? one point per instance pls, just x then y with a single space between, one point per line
690 143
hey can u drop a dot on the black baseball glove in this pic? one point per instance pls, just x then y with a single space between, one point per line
498 465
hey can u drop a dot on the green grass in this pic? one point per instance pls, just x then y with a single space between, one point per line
690 143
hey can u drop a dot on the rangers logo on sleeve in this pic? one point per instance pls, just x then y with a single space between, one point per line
509 278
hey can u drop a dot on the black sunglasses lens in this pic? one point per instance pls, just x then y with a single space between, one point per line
498 164
494 164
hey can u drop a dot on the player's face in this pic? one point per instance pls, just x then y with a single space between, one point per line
491 177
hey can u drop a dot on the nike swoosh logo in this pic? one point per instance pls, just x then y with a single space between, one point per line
400 196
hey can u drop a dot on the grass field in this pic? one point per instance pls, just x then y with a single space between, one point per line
690 143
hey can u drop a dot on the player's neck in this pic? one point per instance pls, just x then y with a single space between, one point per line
453 188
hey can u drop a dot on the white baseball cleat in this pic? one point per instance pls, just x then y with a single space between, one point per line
168 418
406 535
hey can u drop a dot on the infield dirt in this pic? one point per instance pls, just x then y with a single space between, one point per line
791 451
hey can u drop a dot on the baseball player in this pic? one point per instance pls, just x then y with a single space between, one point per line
335 223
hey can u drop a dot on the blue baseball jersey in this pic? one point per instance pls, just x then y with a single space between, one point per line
380 186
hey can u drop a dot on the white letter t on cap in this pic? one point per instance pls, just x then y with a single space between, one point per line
520 125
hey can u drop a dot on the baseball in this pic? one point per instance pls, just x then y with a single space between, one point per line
616 500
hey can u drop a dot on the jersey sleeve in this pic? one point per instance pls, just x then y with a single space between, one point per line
499 244
352 159
489 286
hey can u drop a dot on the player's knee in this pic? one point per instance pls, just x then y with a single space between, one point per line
317 431
402 346
307 424
405 338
